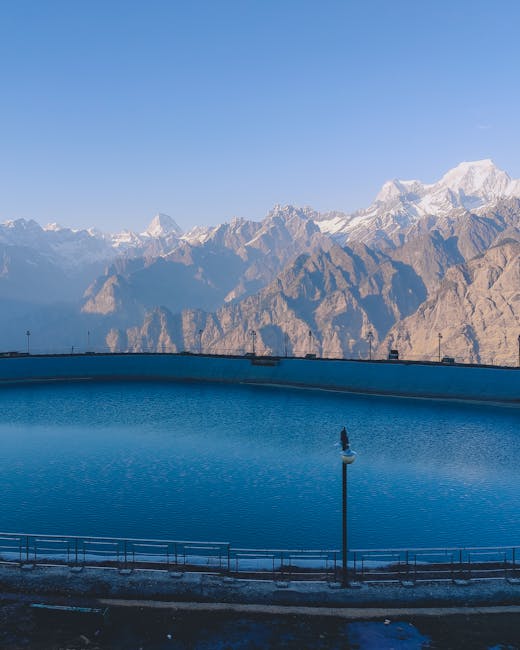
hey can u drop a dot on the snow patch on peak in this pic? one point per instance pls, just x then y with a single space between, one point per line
288 212
53 227
162 225
396 189
235 223
198 234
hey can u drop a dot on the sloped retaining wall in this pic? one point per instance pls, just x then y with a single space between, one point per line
399 378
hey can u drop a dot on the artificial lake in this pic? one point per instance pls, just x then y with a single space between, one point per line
256 466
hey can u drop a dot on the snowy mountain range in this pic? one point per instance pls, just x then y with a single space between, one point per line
399 205
73 248
338 275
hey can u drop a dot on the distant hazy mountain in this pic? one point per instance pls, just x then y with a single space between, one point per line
410 266
229 261
72 249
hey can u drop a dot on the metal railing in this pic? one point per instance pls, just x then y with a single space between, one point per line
367 566
416 565
28 551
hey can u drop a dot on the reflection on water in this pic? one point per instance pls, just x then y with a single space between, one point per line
256 466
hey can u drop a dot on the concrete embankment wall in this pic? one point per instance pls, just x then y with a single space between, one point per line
411 379
204 587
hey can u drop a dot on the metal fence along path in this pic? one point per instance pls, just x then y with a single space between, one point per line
365 566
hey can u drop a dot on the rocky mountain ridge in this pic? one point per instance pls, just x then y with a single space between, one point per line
301 280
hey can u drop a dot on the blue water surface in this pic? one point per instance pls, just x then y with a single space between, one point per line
256 466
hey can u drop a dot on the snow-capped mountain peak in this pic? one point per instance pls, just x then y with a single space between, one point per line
162 225
481 178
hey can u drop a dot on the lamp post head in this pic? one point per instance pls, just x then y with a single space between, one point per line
343 437
347 455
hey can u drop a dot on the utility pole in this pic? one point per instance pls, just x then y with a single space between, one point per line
370 337
252 333
440 338
28 335
310 341
347 457
200 341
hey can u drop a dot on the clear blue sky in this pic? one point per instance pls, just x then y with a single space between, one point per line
114 110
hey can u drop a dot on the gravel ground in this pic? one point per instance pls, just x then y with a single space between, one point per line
22 627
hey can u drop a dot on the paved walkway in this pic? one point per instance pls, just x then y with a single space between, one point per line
347 613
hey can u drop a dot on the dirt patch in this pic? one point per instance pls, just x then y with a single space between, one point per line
22 627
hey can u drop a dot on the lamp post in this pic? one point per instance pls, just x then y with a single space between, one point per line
347 458
440 339
28 335
252 334
200 341
310 341
370 337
